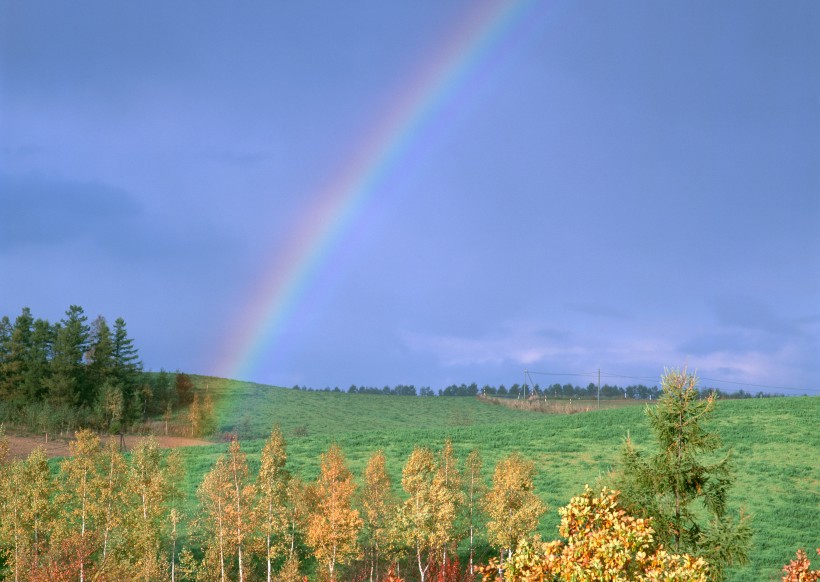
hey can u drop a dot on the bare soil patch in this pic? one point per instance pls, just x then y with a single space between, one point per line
21 446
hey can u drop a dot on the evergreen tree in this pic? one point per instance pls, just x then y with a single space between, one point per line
679 485
66 385
39 361
100 356
15 357
127 370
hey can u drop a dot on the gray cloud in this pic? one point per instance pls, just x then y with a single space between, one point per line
45 211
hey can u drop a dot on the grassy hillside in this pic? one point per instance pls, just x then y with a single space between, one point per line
775 444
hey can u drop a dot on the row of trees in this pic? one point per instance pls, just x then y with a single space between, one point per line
106 516
565 391
74 373
71 366
514 391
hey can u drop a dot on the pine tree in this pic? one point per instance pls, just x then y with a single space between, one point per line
13 362
38 361
127 370
67 382
100 355
333 524
678 485
511 504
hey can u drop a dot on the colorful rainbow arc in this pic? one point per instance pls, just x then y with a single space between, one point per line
339 204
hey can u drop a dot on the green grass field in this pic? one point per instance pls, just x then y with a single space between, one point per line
775 444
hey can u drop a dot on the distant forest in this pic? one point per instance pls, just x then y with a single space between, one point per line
559 391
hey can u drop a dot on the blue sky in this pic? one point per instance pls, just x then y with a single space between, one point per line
624 188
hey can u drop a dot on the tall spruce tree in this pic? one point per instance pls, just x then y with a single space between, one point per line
127 370
680 486
67 383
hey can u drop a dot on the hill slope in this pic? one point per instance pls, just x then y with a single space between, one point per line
776 448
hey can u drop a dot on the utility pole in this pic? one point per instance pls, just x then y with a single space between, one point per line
599 388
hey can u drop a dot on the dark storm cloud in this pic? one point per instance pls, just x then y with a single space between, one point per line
43 211
732 342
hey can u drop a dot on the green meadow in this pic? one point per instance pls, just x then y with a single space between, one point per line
775 448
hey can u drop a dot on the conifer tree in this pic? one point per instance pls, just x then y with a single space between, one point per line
511 504
100 354
14 359
679 484
333 524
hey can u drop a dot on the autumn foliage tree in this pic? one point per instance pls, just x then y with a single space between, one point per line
601 543
333 523
799 569
379 507
511 504
272 499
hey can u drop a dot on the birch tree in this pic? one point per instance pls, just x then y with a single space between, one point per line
272 498
215 496
78 481
238 512
149 489
419 510
379 506
333 524
474 488
511 504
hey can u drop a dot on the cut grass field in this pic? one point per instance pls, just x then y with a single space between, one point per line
774 442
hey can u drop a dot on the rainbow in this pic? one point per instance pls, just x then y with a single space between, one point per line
342 201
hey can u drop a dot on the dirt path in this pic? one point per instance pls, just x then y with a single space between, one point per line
21 446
